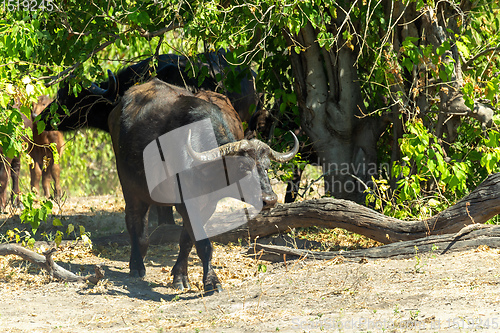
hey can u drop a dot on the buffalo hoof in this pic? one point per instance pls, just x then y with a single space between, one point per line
137 273
181 282
211 289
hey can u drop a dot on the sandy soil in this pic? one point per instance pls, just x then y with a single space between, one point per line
456 291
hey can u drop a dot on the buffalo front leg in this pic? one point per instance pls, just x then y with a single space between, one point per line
46 178
36 175
137 226
203 249
180 269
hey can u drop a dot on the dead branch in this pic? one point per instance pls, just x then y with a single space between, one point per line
438 244
46 262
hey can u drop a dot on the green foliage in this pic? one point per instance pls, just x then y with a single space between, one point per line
428 180
34 215
88 164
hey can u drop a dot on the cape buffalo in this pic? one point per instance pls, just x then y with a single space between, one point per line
146 112
150 110
43 160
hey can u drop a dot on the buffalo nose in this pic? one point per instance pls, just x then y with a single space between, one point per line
269 200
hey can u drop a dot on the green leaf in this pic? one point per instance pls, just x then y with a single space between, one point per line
31 242
440 50
463 49
58 238
40 126
57 222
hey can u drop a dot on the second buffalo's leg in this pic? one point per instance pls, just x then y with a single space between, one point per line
165 215
36 175
4 181
55 171
46 178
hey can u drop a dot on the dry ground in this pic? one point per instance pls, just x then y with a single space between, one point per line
457 291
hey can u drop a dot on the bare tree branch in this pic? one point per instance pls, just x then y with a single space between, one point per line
170 27
46 262
483 52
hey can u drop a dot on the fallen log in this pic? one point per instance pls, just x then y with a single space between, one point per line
46 262
478 207
469 238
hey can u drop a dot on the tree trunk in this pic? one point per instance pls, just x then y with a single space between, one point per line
478 207
331 103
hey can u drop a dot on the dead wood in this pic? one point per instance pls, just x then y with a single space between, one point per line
468 238
478 207
46 262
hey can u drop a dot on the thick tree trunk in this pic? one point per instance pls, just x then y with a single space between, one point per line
329 95
478 207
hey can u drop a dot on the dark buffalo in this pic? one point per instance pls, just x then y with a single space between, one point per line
43 160
174 69
148 111
170 68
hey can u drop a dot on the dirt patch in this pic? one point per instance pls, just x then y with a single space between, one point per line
432 292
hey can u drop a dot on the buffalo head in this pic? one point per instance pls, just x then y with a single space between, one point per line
252 155
89 109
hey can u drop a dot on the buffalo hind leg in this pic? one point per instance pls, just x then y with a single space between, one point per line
136 216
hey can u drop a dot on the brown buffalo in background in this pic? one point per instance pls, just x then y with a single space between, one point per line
43 160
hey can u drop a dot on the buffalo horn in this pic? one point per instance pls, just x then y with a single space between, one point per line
285 157
212 154
111 93
96 90
232 147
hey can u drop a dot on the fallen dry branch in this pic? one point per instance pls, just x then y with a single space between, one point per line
478 207
469 238
46 262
